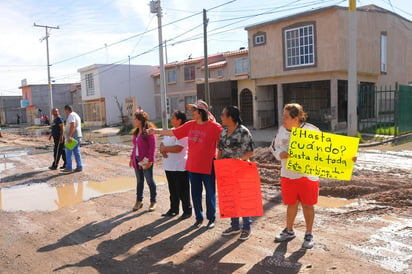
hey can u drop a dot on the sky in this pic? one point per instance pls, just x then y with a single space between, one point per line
123 31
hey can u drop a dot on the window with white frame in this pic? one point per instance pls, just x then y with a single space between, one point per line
89 84
259 38
171 76
242 65
300 46
384 53
190 73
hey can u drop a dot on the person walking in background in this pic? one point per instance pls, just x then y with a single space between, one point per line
296 187
236 143
142 159
73 131
57 132
203 134
174 161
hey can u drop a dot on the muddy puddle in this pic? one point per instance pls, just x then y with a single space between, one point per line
43 197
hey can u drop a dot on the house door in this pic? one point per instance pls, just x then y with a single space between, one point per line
246 107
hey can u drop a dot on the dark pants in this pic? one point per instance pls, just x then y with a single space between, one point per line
179 189
58 151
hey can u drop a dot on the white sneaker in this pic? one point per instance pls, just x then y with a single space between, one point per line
285 235
308 241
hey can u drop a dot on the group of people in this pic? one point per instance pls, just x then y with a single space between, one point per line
189 150
62 135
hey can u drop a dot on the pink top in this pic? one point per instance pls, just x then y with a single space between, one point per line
145 148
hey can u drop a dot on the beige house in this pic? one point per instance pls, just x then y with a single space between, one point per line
185 83
304 58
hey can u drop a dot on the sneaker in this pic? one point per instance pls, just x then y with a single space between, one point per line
63 167
197 224
211 224
231 231
308 241
78 170
152 206
65 170
285 235
138 205
52 167
245 235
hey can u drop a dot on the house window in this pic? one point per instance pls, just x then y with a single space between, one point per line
259 39
189 73
300 46
89 84
219 73
241 65
383 53
171 76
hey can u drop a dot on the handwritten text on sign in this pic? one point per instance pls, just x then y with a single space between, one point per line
238 188
321 154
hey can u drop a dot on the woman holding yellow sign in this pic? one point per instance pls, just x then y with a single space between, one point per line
296 187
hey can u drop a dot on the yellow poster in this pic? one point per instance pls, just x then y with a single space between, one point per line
322 154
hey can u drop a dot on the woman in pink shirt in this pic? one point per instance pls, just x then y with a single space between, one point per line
143 158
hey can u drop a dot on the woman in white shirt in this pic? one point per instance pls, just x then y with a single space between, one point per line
174 153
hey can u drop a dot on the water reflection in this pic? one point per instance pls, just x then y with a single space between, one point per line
43 197
332 202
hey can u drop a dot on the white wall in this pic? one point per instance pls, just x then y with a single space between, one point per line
113 80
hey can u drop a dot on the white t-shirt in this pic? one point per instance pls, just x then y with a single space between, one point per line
281 144
175 161
74 117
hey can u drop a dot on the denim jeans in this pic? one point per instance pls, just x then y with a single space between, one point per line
247 221
141 174
197 181
77 156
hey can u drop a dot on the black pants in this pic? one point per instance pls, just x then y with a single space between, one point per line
57 152
179 189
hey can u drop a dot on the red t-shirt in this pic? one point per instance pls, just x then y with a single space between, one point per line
202 140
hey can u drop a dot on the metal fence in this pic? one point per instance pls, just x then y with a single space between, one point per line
385 110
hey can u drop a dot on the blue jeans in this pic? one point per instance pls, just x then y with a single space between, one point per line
196 180
77 156
140 175
247 221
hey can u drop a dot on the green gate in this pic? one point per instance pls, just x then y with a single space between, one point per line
385 111
404 110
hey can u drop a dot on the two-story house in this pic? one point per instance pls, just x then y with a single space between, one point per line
110 89
304 58
185 82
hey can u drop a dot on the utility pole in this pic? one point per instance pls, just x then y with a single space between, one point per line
48 65
352 71
206 61
156 8
130 89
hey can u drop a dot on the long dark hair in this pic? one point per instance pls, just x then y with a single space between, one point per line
233 111
144 118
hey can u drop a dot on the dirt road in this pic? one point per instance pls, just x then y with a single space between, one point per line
83 223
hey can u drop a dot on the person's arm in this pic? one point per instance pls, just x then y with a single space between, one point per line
167 132
219 155
172 149
71 130
61 133
246 156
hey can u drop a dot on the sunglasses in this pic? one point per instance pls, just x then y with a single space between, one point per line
193 109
